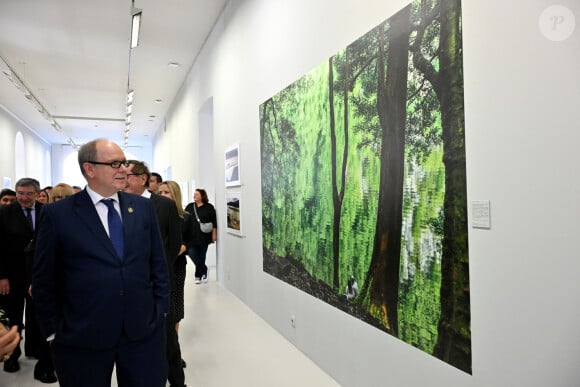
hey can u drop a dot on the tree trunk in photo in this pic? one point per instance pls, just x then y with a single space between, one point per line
454 332
337 193
382 285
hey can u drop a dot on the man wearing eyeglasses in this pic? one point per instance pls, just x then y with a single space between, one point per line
17 224
100 279
138 177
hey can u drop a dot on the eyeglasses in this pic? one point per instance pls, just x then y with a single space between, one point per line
134 174
113 164
29 194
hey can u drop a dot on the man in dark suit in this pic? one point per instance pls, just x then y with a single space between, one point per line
100 281
17 224
170 227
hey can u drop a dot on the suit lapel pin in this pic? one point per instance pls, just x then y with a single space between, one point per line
130 209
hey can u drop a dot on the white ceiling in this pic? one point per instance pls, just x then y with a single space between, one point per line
74 56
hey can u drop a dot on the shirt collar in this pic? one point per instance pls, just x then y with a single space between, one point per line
95 197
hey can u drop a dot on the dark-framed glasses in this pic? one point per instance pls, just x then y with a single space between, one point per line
28 194
113 164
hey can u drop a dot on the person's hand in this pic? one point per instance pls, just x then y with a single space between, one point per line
182 249
9 339
4 286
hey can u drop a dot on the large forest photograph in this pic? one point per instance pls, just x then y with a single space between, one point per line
364 197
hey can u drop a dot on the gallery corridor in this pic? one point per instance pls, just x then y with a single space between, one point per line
224 344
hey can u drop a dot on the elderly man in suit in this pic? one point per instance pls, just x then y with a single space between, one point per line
100 281
138 177
17 224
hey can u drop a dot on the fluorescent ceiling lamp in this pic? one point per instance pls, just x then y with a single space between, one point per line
136 25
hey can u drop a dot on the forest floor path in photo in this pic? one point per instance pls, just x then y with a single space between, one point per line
291 271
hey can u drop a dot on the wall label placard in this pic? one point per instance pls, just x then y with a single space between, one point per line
480 214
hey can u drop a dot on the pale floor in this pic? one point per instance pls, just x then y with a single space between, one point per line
224 344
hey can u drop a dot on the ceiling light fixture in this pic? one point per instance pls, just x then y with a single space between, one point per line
30 97
135 26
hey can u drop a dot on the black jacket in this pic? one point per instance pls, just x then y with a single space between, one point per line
15 236
192 233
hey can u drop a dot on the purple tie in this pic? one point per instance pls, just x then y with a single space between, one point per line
115 227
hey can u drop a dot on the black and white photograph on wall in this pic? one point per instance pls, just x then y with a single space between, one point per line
234 215
232 166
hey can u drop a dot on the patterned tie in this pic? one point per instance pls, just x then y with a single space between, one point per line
115 227
29 218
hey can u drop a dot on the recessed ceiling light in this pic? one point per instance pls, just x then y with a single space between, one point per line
158 100
152 116
135 27
173 64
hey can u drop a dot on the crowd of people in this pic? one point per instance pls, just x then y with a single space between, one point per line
94 278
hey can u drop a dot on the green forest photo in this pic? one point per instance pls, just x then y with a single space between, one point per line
364 199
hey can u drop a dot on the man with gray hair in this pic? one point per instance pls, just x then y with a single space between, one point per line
100 279
18 222
138 178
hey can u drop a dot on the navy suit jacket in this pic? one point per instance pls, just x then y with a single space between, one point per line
83 291
15 235
169 227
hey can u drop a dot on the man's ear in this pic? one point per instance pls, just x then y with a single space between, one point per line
89 169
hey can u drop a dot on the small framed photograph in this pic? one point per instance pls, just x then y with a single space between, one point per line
234 213
232 166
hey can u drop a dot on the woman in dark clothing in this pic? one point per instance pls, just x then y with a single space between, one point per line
196 240
170 189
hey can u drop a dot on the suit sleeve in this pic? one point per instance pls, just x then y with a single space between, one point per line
187 230
3 273
213 216
175 237
44 274
159 272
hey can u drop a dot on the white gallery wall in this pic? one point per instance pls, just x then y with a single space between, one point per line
522 98
22 152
